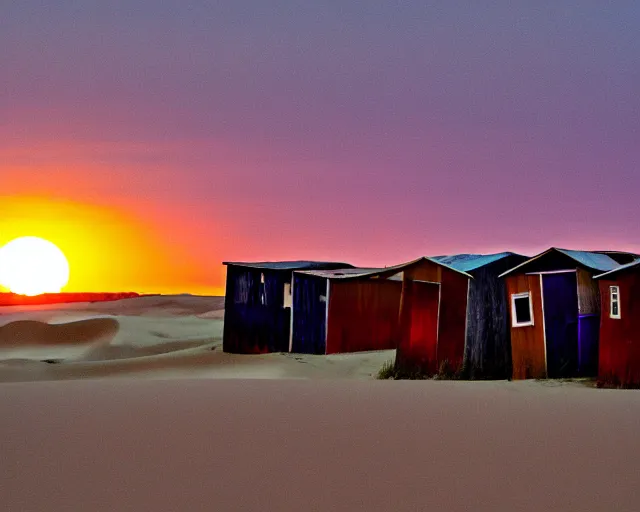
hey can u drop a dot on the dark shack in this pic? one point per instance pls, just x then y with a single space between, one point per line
258 300
433 313
346 310
487 353
619 363
555 313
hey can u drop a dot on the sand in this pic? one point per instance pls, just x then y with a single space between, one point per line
291 445
138 409
147 337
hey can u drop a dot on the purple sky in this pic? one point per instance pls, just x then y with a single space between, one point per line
366 131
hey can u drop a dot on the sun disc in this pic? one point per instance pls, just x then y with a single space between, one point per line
31 266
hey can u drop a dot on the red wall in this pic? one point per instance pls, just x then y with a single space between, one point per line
619 352
453 318
363 315
417 349
419 324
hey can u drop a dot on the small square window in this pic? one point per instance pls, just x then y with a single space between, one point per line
614 302
521 310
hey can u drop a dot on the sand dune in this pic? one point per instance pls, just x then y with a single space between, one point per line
32 332
157 337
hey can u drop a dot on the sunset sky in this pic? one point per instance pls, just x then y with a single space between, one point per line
151 142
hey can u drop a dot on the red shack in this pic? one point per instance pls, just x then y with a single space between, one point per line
345 310
619 361
433 317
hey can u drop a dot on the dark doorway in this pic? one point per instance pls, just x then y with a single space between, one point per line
560 295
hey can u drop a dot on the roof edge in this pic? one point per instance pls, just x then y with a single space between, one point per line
387 271
618 270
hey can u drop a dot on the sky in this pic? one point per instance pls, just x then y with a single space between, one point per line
152 142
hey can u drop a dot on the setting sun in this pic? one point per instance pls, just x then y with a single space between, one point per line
31 266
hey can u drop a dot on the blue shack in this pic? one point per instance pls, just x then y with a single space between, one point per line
257 305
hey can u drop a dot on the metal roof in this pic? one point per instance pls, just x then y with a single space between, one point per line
343 273
621 268
469 262
289 265
388 272
587 259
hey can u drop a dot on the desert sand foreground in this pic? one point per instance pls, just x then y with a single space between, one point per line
156 337
138 408
292 445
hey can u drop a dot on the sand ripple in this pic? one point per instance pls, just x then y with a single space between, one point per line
31 332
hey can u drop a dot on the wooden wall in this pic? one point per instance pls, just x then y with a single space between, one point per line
488 343
363 315
309 314
452 324
527 343
251 326
588 294
619 351
418 345
451 312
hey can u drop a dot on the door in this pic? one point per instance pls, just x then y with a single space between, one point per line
560 297
418 345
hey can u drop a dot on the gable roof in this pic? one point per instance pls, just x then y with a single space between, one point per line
289 265
359 273
469 262
621 268
589 260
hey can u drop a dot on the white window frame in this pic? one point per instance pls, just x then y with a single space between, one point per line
614 290
514 318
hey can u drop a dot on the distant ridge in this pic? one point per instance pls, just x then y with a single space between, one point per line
12 299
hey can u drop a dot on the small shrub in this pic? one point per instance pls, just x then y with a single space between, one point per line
388 371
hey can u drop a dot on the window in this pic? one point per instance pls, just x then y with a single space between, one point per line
614 302
521 310
287 295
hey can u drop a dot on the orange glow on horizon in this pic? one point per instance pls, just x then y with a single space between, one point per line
108 249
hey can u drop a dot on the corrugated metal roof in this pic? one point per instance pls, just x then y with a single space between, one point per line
469 262
357 273
289 265
342 273
621 268
590 260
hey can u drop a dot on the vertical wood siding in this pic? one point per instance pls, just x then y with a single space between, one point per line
417 349
453 318
309 314
619 350
363 315
488 342
527 343
451 311
588 293
251 326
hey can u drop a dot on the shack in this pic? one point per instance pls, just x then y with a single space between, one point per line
487 352
346 310
554 306
257 303
433 314
619 363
